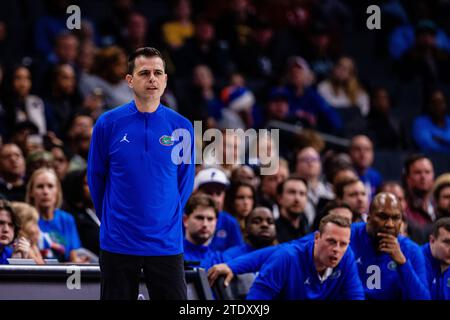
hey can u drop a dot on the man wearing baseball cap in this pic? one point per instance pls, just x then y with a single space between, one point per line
214 182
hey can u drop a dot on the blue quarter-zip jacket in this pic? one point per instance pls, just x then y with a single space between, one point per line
137 183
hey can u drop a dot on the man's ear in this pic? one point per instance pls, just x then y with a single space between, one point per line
185 218
129 79
432 239
316 235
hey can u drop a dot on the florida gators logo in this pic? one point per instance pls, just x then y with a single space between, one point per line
166 140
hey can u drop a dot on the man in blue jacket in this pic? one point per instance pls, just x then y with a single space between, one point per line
323 268
140 180
200 220
437 260
391 266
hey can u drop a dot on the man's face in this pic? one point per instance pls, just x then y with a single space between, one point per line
12 162
421 176
397 191
443 203
361 152
356 197
66 79
293 199
216 191
6 228
308 163
330 246
200 225
261 227
385 216
149 79
440 246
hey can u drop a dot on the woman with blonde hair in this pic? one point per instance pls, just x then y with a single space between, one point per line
44 192
343 89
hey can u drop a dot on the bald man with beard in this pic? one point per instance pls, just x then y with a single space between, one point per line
391 266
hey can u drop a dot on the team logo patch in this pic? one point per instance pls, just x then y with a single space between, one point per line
392 266
166 140
336 274
221 234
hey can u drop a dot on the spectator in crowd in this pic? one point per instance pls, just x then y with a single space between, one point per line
352 192
65 49
20 104
214 182
108 75
361 153
49 26
21 133
235 25
135 35
431 131
390 266
343 89
78 202
60 161
441 195
29 229
267 193
437 260
261 56
9 230
62 102
200 220
383 128
334 206
38 159
113 27
309 270
240 200
305 103
44 192
202 48
12 172
245 174
425 60
419 178
239 108
321 50
78 139
291 198
309 167
180 28
201 100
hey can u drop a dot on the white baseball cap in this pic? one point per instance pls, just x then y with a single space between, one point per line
210 175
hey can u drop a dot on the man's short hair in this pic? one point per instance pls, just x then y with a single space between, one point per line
280 186
440 223
200 200
335 219
146 52
410 161
335 204
340 186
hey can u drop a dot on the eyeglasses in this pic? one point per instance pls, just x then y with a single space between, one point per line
309 159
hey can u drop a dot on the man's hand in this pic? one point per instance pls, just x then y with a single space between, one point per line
220 270
389 244
22 248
